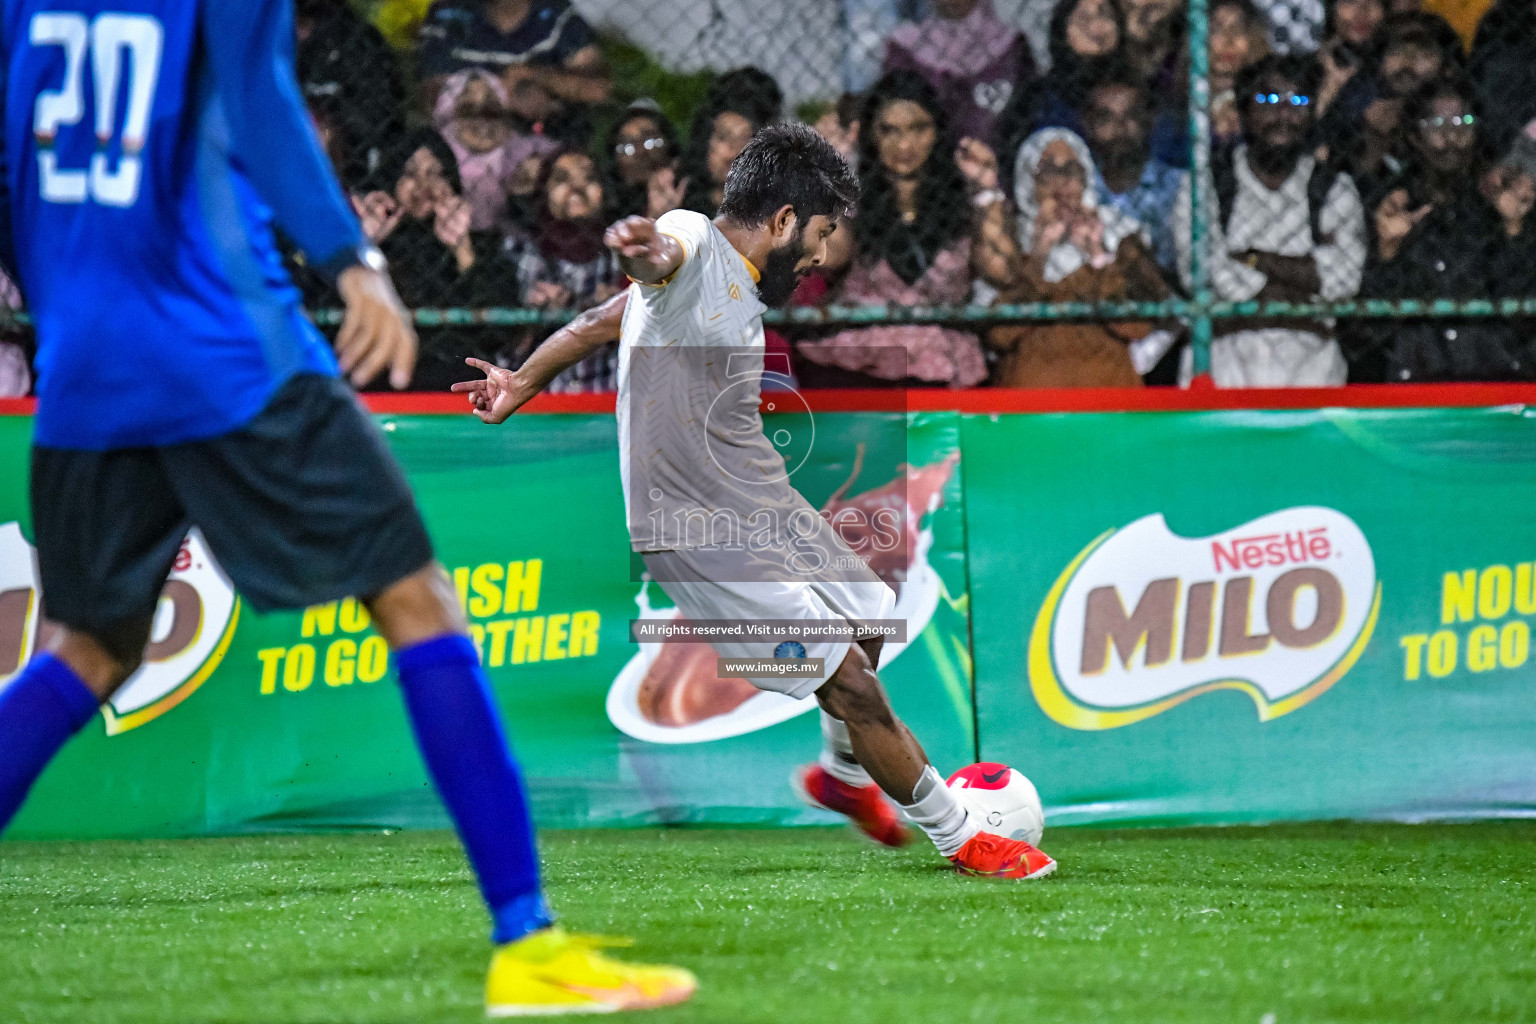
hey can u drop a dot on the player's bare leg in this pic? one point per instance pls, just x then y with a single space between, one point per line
103 665
882 743
418 608
888 751
838 781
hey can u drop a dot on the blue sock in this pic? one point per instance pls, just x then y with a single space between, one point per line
39 711
461 739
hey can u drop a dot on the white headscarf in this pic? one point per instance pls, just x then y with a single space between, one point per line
1065 257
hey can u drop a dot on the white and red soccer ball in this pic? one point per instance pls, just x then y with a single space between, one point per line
1001 800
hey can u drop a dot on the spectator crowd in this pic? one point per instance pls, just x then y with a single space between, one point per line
1358 149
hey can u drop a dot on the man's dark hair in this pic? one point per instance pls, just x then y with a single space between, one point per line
1116 74
1424 30
787 165
749 91
1302 71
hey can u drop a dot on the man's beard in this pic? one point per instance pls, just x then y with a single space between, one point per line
1122 160
1447 164
779 278
1279 159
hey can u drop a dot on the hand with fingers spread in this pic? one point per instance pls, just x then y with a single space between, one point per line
978 163
503 392
1050 236
376 331
664 192
451 219
1395 222
379 213
1087 233
496 397
549 295
645 254
1051 226
1512 193
1226 122
1338 68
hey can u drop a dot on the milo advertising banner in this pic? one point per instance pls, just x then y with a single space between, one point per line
1159 617
243 722
1249 616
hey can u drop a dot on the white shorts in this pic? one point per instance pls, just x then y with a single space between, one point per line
859 598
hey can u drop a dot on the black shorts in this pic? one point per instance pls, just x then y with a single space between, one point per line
303 505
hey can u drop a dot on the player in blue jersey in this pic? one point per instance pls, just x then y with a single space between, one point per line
149 147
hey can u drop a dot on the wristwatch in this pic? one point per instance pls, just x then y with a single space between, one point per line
365 255
371 257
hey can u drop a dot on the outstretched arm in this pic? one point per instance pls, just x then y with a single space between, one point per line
503 392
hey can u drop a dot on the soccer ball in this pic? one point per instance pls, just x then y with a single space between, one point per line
1002 800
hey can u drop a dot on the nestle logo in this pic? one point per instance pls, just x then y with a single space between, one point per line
1290 548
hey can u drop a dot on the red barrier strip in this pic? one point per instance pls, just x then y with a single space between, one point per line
1012 400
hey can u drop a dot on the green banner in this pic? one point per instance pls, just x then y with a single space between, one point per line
1235 616
244 722
1203 616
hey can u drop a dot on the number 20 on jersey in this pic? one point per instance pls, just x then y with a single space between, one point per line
106 39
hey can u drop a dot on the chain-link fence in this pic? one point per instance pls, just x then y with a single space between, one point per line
1053 192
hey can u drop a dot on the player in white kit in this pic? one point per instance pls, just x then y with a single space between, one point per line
709 504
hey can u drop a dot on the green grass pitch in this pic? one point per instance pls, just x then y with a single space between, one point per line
1284 924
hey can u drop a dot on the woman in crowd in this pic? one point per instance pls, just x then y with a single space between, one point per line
974 60
641 143
1438 235
736 106
1086 37
563 263
913 231
417 214
1238 39
497 165
1067 247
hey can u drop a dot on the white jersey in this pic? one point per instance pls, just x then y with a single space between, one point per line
690 373
709 501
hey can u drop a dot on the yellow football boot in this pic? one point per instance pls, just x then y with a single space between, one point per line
553 972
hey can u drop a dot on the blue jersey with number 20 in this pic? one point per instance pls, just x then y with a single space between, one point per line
149 146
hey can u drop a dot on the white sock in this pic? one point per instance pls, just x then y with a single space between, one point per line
837 753
936 811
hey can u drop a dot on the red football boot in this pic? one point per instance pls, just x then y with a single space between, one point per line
865 806
991 856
